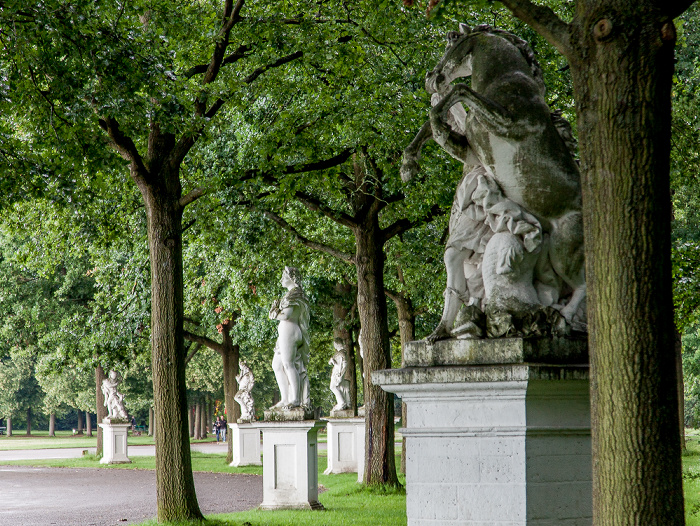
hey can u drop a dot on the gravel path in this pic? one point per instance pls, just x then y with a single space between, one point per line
34 496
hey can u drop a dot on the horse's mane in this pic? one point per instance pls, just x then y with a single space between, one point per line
522 46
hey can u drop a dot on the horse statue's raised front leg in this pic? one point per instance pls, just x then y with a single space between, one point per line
411 155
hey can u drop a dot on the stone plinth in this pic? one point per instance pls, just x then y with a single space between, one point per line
290 465
114 444
346 446
246 445
287 415
342 413
505 444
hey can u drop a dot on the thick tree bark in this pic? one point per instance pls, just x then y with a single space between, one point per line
622 69
380 467
80 422
9 426
175 491
230 357
100 409
204 416
52 425
88 424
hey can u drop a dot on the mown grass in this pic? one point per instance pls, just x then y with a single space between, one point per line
691 478
66 439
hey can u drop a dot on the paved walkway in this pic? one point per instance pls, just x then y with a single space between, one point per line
33 496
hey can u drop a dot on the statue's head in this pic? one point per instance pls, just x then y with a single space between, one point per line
293 274
339 344
113 375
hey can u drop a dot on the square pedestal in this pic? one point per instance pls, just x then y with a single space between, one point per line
505 445
114 446
290 465
346 445
246 445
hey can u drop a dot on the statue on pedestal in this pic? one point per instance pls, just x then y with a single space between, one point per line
114 400
291 359
246 381
514 258
339 384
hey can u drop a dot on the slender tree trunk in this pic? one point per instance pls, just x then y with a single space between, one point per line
100 409
197 421
380 467
80 422
29 421
361 368
190 420
175 490
52 425
678 347
151 422
622 85
203 419
88 424
407 333
9 426
341 331
230 358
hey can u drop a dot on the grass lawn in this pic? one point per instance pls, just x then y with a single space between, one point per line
65 439
691 478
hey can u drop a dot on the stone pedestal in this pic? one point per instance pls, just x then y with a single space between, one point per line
505 443
346 446
290 464
246 444
114 445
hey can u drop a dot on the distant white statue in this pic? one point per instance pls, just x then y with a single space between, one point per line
339 384
114 400
246 381
291 359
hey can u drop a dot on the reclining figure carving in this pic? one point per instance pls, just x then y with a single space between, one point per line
515 248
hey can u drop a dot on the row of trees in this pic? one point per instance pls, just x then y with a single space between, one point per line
213 143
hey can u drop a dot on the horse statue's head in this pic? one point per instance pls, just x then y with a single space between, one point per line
462 46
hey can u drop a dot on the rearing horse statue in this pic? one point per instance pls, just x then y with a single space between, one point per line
519 172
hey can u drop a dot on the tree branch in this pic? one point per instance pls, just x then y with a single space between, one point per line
203 340
543 20
402 225
277 63
321 247
234 57
194 349
123 144
188 198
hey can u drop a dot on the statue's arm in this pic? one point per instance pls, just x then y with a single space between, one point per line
411 155
490 113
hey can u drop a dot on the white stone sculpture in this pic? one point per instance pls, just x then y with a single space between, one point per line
339 384
291 359
114 400
515 249
246 381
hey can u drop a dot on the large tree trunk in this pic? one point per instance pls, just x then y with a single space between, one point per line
9 426
380 466
80 422
190 420
52 425
407 333
29 421
100 409
175 490
203 420
88 424
622 86
230 358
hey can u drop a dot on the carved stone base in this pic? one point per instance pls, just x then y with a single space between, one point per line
346 446
296 414
245 439
114 444
290 465
342 413
493 444
361 411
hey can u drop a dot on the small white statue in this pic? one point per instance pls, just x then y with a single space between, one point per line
246 381
339 384
114 400
291 359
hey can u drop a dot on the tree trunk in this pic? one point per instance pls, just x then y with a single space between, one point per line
622 85
88 424
52 425
29 421
9 426
151 423
197 421
341 330
407 333
175 490
203 420
678 347
230 358
100 409
80 422
380 466
190 420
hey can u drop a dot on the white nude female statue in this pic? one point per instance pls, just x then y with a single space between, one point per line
114 400
292 348
339 385
246 381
